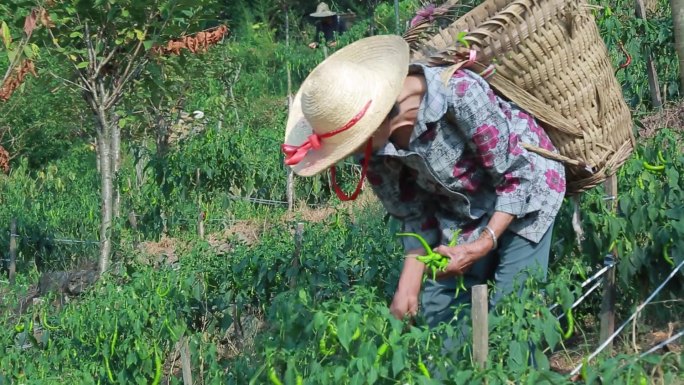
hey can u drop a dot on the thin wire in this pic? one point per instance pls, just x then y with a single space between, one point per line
638 310
660 345
580 299
589 280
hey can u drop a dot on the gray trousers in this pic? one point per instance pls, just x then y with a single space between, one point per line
508 266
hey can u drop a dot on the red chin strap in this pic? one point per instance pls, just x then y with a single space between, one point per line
364 169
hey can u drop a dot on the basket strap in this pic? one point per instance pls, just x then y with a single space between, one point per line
554 156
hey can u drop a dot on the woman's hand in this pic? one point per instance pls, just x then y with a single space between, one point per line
405 301
462 256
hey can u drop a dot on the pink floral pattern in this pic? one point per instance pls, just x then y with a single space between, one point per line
462 167
555 181
462 88
486 137
509 184
491 96
464 173
513 147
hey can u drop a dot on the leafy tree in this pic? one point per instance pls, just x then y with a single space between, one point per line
108 43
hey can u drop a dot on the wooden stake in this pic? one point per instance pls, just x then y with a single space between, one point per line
299 237
607 314
290 193
201 216
653 84
186 365
13 251
480 312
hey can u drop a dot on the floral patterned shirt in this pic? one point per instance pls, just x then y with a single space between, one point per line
465 161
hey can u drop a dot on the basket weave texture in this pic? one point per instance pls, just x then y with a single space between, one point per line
551 61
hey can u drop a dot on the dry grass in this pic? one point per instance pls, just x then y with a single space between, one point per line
672 116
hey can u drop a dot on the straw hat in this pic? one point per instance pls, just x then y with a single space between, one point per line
345 99
322 10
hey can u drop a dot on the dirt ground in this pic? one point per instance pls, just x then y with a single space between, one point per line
630 341
672 116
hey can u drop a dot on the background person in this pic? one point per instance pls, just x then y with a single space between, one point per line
328 26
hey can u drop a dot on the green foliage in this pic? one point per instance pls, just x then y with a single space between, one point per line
641 38
648 229
58 201
333 325
325 313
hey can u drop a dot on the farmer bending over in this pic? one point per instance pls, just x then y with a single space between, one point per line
441 155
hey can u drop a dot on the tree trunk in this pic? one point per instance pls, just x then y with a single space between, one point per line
104 145
290 175
396 16
678 21
116 162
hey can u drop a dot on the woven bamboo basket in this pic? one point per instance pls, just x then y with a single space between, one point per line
552 62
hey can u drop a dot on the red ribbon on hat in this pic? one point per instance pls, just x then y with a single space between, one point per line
295 154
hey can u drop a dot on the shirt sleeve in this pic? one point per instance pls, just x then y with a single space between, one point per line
489 134
396 189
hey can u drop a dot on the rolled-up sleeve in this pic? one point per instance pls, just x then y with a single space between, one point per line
487 128
403 200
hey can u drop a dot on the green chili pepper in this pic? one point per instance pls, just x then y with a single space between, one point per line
171 332
273 376
299 380
666 254
44 322
661 158
381 352
157 367
357 334
323 346
423 369
571 325
163 292
115 336
108 369
653 168
433 261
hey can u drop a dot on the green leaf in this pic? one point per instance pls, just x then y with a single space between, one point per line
397 360
76 34
516 357
541 359
148 44
140 35
551 334
6 37
344 332
82 65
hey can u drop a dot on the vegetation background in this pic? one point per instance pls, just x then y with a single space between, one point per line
164 172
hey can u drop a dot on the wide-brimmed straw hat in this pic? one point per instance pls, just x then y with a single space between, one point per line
322 10
343 101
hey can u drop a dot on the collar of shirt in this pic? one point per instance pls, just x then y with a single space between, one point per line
432 108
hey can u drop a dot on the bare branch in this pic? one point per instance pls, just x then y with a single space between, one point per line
105 61
83 88
92 59
126 75
85 81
